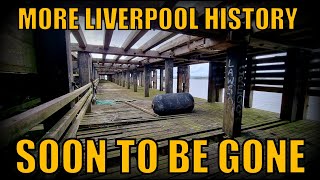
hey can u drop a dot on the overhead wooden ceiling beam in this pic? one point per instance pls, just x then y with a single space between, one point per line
159 38
79 36
184 39
120 51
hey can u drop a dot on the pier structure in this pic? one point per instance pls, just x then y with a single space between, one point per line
51 84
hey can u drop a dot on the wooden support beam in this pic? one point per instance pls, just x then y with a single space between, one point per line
85 75
141 79
248 97
234 86
128 79
146 80
161 80
154 79
107 38
123 79
215 81
120 51
159 38
183 79
84 68
133 37
169 75
100 60
294 97
179 41
135 81
79 36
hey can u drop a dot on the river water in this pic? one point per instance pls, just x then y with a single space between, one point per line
261 100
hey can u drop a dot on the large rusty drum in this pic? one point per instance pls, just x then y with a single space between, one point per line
172 103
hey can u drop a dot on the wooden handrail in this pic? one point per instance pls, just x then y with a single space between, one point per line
60 127
72 131
16 126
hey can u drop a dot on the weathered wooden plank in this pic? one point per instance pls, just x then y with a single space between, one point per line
313 92
184 39
107 38
314 83
248 96
100 60
146 81
18 125
161 79
140 108
84 61
267 81
169 75
135 81
294 97
271 74
72 131
133 37
60 127
159 38
269 67
183 79
234 86
120 51
267 89
78 34
275 59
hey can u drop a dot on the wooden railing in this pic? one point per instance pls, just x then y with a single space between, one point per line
273 80
314 77
18 125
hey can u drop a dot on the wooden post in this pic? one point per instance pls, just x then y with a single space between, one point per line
154 85
215 81
169 75
135 81
146 80
128 79
141 78
294 95
123 79
161 79
234 86
151 79
183 79
54 66
248 84
84 68
179 79
84 61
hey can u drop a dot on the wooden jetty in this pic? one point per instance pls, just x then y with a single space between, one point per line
56 89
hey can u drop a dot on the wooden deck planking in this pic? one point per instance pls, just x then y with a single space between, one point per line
204 123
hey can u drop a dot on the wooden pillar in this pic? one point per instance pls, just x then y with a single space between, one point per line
54 66
215 81
248 97
135 81
294 95
141 78
234 86
84 61
161 80
128 79
169 75
154 85
123 79
146 80
183 79
151 78
179 79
